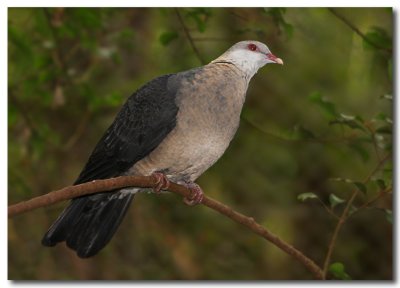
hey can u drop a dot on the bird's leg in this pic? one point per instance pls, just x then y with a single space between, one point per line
162 182
196 196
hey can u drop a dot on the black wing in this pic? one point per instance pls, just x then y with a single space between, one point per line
143 122
89 222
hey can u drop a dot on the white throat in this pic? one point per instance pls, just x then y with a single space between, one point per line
246 61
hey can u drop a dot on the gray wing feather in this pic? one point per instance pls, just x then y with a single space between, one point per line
143 122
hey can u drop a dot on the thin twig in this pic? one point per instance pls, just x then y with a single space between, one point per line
59 53
344 217
357 31
335 234
241 17
343 139
373 138
189 37
327 209
148 182
381 193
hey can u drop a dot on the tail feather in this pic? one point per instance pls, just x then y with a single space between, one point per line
89 222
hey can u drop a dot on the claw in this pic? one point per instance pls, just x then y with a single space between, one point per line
162 182
197 194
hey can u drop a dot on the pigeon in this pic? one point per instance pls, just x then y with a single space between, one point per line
174 128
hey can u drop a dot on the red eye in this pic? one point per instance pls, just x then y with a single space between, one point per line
252 47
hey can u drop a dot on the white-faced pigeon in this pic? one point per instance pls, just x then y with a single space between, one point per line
174 127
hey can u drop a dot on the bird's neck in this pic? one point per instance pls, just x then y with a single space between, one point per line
246 68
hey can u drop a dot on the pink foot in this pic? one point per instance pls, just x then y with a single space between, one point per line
197 194
162 182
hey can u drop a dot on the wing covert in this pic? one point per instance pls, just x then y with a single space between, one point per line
143 122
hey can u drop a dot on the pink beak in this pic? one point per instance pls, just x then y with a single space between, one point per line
272 57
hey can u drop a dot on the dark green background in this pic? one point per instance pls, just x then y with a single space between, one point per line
71 69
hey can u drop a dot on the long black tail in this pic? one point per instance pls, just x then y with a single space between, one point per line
89 222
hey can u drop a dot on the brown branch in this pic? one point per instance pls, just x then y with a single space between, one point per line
344 217
189 37
335 234
381 193
357 31
327 209
148 182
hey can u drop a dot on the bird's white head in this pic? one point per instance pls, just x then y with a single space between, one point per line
249 56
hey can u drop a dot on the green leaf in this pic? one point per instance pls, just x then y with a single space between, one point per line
389 216
125 37
288 29
352 209
359 119
116 58
338 271
360 150
386 129
12 115
21 43
126 34
201 25
335 200
328 107
347 117
277 15
114 99
346 180
87 17
388 147
381 183
383 117
68 31
388 97
360 186
351 124
349 121
166 37
376 37
200 16
304 196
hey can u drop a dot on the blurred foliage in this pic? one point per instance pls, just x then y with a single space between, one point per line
312 132
337 269
378 37
277 15
199 16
